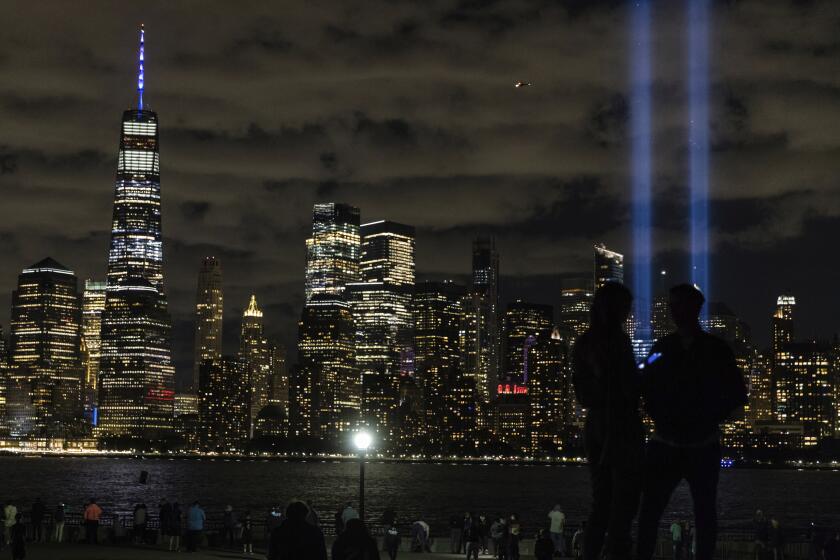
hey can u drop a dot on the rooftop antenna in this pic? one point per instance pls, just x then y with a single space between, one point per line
140 72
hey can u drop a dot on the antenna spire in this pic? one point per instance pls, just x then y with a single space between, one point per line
140 74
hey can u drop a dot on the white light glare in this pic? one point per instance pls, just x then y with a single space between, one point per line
362 440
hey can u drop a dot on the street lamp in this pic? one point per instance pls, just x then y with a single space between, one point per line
362 441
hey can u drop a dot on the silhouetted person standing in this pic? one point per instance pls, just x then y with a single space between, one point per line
36 516
607 384
18 538
355 543
691 384
296 539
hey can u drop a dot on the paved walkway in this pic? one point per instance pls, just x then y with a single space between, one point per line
69 551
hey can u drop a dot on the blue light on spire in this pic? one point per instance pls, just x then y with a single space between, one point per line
141 71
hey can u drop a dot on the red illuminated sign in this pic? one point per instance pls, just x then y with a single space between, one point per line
511 389
160 394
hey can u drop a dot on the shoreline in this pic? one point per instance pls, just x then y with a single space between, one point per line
792 465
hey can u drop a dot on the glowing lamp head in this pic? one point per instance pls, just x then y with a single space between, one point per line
362 440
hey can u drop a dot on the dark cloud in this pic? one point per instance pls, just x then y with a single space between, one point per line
194 210
407 109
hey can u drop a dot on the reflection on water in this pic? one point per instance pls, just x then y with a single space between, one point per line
432 492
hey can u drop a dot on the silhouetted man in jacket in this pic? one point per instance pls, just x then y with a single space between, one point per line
690 385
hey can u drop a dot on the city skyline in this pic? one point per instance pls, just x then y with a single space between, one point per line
553 187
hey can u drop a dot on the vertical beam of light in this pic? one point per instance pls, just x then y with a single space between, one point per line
698 141
640 123
141 70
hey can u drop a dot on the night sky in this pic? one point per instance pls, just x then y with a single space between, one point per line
408 110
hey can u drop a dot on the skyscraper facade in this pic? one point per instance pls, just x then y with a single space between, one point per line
525 325
760 408
223 404
136 235
804 390
576 296
327 387
381 307
608 266
333 251
209 305
137 379
438 310
548 393
93 304
256 352
783 332
136 392
480 357
45 338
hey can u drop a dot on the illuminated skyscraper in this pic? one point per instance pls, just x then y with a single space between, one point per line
279 379
326 386
575 300
609 266
783 322
660 317
804 390
137 379
760 408
4 354
525 325
480 357
223 404
387 253
257 354
333 251
209 305
136 235
136 393
93 304
4 373
438 318
381 305
45 348
782 335
548 393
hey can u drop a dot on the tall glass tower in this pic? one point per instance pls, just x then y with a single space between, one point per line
137 377
609 266
93 304
208 316
381 305
45 343
333 251
481 352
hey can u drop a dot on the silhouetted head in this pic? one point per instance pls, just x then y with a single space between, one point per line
297 511
611 306
18 517
685 302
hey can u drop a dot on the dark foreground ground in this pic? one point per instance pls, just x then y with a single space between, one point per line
51 551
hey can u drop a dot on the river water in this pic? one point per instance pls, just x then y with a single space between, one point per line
428 491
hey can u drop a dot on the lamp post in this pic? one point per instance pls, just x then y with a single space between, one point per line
362 441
